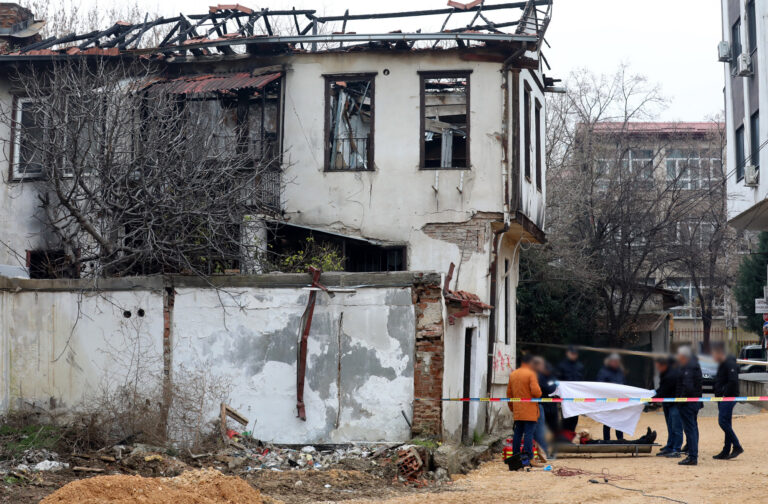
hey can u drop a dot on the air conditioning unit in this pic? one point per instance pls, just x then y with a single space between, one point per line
751 178
724 52
744 68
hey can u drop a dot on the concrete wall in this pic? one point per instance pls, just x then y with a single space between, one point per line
359 366
62 348
65 342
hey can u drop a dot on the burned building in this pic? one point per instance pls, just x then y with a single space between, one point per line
410 150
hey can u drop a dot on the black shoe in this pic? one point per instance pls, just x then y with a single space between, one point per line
688 461
722 455
672 454
663 452
684 449
736 452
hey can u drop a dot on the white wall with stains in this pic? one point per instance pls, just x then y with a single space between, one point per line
61 349
453 374
359 373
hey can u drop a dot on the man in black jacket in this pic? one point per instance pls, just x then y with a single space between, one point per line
689 385
668 376
726 385
570 369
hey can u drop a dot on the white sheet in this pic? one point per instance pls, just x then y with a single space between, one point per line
620 416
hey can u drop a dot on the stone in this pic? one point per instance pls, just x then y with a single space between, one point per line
459 459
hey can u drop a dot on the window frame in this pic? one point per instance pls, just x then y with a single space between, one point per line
537 126
751 26
328 80
754 139
527 131
736 46
740 153
14 175
443 74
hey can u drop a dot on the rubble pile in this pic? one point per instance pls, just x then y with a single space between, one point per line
276 458
33 460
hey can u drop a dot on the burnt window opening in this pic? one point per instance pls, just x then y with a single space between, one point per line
445 120
242 124
28 134
349 111
527 130
358 255
537 125
42 264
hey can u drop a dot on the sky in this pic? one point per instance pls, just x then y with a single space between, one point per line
672 42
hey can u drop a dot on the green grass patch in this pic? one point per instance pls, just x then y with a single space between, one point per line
18 439
431 444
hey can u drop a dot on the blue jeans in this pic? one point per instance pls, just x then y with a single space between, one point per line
689 413
523 431
540 436
674 428
725 419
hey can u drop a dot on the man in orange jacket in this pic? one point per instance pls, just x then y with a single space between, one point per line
524 383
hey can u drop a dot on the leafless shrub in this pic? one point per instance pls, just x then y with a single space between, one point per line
132 180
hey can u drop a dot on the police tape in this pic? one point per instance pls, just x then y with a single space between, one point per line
601 399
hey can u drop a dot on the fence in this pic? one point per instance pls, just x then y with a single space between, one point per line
734 338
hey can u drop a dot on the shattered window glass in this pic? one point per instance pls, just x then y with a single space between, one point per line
446 128
350 124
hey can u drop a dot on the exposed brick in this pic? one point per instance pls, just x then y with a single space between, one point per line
428 370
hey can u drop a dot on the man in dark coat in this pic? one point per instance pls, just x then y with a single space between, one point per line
726 385
570 369
689 385
668 376
548 385
611 372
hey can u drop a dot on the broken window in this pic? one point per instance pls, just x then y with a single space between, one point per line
29 132
358 254
445 120
49 264
349 123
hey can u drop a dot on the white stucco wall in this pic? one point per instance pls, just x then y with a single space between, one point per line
453 374
393 202
359 366
63 348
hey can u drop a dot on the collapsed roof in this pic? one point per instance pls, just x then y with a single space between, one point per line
234 29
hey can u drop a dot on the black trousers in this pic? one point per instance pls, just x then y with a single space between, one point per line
607 434
569 424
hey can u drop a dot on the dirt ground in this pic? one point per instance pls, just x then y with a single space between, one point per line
710 482
740 480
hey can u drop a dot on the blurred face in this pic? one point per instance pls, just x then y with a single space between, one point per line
682 359
661 367
538 364
718 356
614 363
572 355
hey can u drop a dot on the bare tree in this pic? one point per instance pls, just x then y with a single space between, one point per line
134 178
64 17
612 201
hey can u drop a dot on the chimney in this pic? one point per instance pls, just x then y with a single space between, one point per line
18 26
